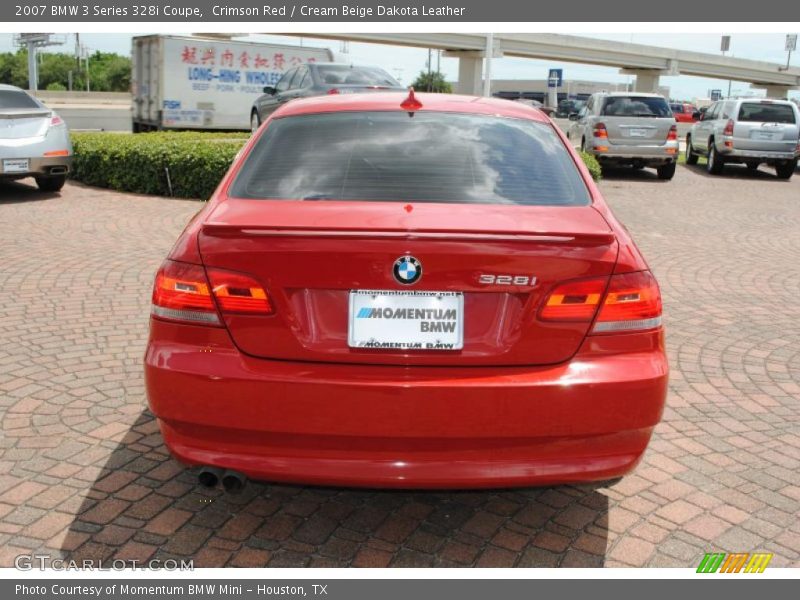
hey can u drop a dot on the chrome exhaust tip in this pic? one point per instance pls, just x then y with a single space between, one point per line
209 476
233 482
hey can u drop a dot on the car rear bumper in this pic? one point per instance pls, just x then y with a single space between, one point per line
409 427
649 154
48 165
762 155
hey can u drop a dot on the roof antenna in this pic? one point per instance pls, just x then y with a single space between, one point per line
411 103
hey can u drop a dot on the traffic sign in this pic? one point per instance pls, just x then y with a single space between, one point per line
555 78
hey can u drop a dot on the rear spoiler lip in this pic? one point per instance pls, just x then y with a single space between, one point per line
221 230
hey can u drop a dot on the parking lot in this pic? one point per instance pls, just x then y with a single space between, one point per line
84 474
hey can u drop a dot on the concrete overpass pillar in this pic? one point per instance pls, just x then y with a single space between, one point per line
470 69
775 91
470 75
646 79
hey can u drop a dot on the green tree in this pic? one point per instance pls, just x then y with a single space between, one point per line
108 72
432 82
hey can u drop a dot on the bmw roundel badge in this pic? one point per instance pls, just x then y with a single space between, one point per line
407 270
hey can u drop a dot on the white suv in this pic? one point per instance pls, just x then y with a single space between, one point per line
750 131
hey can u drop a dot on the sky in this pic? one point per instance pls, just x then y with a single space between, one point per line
406 63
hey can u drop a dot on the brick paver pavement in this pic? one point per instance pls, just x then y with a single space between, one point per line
84 474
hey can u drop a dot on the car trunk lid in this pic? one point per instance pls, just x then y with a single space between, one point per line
637 131
766 126
311 255
23 123
636 120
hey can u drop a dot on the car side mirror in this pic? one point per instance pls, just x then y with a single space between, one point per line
573 116
697 116
268 89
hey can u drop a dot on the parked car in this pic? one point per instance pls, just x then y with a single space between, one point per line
568 107
628 128
684 112
412 291
34 141
751 131
317 79
548 110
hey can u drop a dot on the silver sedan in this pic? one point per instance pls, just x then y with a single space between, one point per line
34 141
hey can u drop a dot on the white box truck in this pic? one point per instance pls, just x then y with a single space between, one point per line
181 82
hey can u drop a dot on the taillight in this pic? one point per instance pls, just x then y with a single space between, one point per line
632 302
574 300
183 293
627 302
728 128
333 91
56 120
672 136
600 130
237 293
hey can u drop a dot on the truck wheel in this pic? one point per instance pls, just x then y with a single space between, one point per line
715 161
691 157
52 183
666 172
255 122
785 170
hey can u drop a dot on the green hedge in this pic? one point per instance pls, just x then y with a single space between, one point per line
195 161
592 165
183 164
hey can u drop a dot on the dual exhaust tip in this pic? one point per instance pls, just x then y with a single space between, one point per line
233 482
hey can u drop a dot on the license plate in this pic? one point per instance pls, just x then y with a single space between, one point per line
16 165
637 132
403 320
764 135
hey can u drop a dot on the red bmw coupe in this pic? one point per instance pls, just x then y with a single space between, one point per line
390 290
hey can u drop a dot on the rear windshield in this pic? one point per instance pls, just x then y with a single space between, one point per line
12 99
347 75
762 112
676 108
635 106
427 157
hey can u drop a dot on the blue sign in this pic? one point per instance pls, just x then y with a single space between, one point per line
716 95
555 78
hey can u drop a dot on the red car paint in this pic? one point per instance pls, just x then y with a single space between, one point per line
277 394
683 112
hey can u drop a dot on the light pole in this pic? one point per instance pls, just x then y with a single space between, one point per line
725 45
487 75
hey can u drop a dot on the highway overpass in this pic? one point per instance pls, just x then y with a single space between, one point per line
647 63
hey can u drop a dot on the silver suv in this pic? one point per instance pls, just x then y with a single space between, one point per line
747 130
628 128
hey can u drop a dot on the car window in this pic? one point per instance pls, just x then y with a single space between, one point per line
727 110
635 106
764 112
712 112
15 99
352 75
676 108
285 81
426 157
299 80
